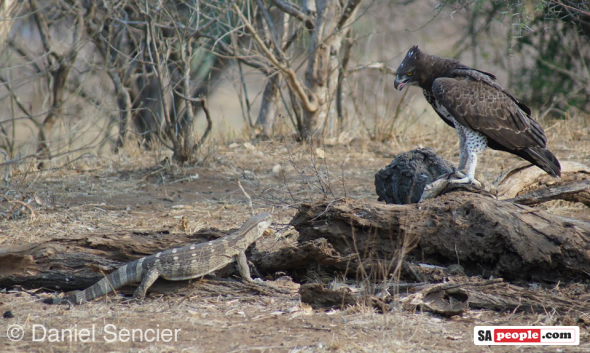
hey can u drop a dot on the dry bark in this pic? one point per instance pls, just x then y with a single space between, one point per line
316 295
320 297
484 235
317 251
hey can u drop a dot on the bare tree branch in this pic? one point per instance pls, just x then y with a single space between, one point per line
60 74
294 11
230 54
309 100
209 124
373 66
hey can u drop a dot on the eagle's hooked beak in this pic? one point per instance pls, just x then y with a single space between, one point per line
399 84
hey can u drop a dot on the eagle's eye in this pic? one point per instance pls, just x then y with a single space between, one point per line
409 73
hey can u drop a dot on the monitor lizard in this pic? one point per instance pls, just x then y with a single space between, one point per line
179 264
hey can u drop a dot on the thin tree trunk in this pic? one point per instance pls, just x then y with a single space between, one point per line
268 107
59 77
340 109
277 25
122 93
321 76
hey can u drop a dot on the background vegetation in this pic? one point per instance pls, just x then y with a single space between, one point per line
84 78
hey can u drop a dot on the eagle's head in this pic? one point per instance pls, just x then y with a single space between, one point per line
406 74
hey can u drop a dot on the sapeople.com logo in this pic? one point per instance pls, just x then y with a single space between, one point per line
523 335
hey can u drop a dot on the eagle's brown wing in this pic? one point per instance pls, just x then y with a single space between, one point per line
500 117
490 111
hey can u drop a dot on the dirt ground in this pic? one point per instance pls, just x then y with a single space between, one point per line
133 191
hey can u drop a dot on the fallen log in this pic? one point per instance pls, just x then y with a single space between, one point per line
578 191
521 180
320 297
69 264
447 299
450 299
487 237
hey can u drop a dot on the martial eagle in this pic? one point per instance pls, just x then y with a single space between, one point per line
484 114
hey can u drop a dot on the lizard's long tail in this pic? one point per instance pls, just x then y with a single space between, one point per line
117 279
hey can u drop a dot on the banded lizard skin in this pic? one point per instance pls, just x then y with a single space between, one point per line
179 264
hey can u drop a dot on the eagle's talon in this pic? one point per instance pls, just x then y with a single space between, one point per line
466 180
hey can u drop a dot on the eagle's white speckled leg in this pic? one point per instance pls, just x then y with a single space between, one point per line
470 177
462 150
473 143
472 165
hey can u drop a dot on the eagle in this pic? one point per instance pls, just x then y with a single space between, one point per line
483 113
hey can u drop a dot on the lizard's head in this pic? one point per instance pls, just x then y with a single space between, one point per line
265 222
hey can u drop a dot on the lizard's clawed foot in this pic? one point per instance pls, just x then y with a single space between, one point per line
136 300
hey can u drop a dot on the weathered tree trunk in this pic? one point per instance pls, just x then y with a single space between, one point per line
573 191
182 117
313 252
340 108
321 76
268 106
483 235
277 24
